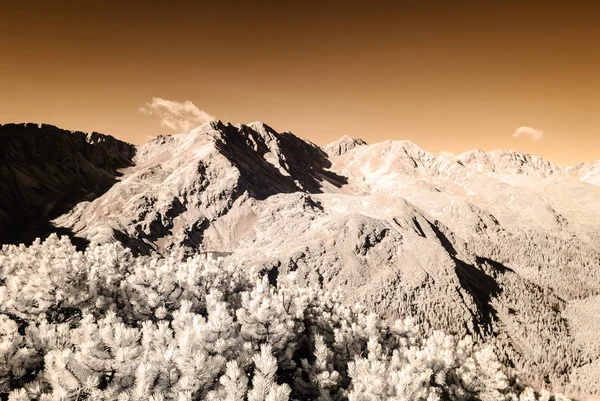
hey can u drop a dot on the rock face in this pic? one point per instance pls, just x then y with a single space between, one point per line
496 244
45 171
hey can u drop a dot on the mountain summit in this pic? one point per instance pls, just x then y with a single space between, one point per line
342 145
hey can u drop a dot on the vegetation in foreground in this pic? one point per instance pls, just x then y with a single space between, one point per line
104 325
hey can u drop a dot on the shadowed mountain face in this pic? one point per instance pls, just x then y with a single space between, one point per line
495 244
270 163
45 171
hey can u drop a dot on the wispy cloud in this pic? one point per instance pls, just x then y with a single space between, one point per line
178 116
529 132
447 154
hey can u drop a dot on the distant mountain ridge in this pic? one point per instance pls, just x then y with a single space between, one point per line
496 244
588 172
510 162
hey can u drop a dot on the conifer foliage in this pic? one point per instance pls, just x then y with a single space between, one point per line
104 325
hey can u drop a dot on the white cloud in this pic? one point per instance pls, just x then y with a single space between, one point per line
178 116
529 132
447 154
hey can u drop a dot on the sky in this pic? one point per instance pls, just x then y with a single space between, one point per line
449 77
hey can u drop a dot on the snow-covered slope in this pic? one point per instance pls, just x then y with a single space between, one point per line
488 243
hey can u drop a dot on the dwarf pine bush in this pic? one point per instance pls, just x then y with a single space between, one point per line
104 325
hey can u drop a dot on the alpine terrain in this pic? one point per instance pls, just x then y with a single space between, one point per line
492 256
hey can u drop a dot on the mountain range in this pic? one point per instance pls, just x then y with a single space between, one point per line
501 245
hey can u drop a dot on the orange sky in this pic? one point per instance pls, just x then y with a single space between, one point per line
448 77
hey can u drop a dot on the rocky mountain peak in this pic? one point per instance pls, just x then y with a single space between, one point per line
182 184
342 145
